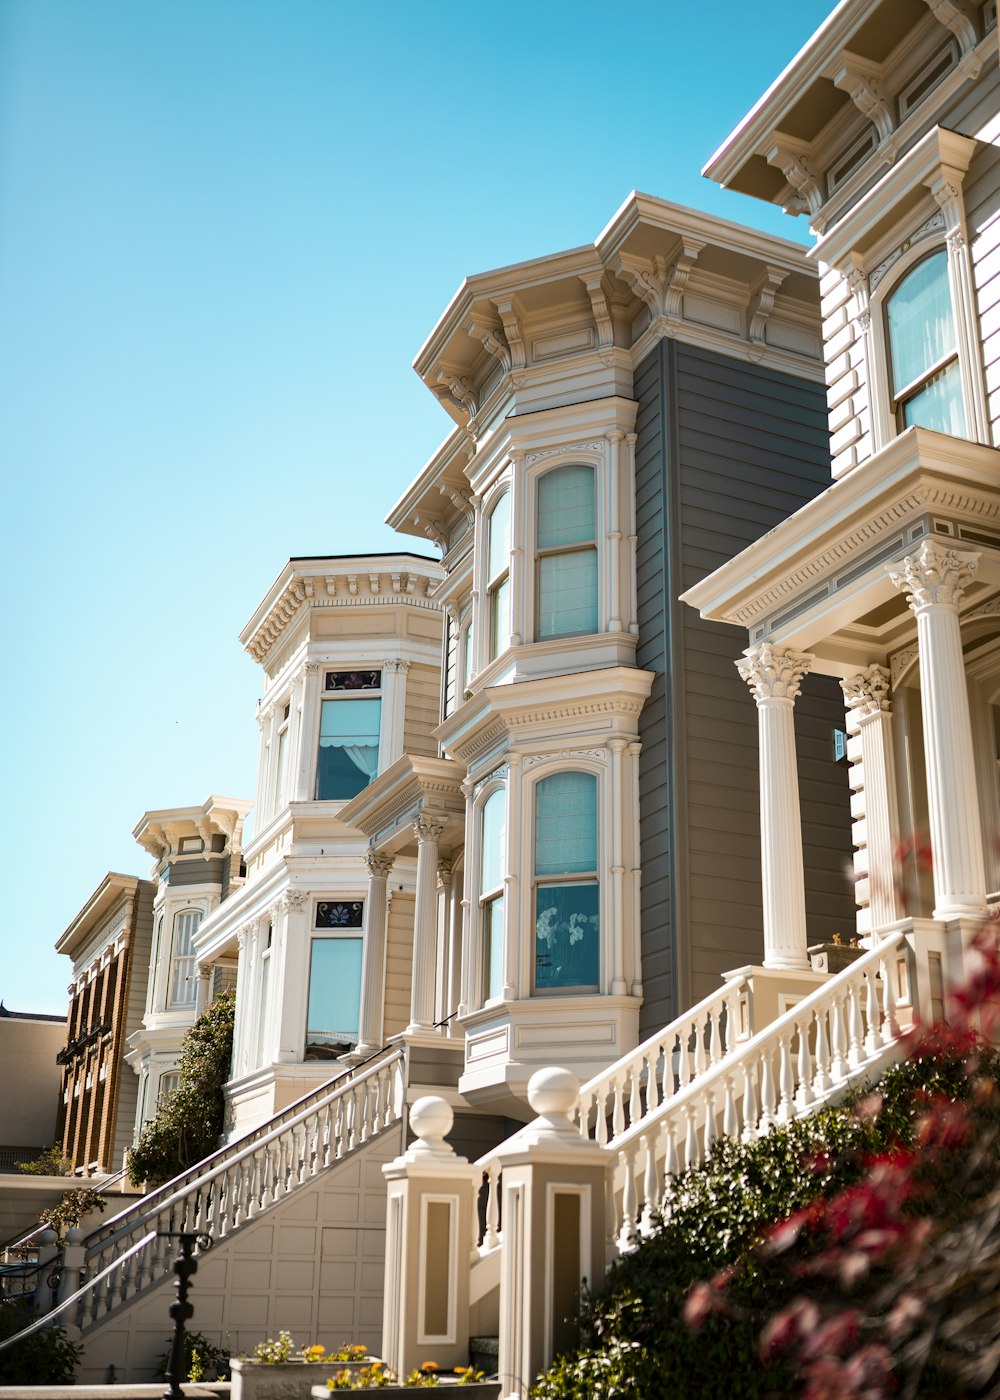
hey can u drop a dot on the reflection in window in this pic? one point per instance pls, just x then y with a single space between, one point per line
926 380
567 920
183 990
491 872
498 571
348 747
567 553
334 997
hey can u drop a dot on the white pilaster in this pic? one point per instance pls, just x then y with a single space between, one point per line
614 533
428 830
373 954
520 627
512 980
774 676
470 956
291 978
393 710
633 538
934 580
619 986
304 787
634 972
441 1006
867 696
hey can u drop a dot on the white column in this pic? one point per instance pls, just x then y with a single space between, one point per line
428 829
520 625
512 901
203 988
774 676
453 994
618 985
393 710
614 533
934 580
441 1007
479 630
373 954
244 973
635 874
304 787
291 975
867 695
633 538
470 953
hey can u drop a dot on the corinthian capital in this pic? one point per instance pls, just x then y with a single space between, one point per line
773 673
379 864
868 692
428 827
935 574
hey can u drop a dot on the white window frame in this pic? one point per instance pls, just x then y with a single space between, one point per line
173 1003
330 696
570 763
551 551
493 646
328 935
485 898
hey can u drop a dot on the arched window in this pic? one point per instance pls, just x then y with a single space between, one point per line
925 376
498 577
491 872
566 579
566 890
183 989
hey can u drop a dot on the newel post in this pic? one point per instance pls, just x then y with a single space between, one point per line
553 1203
429 1238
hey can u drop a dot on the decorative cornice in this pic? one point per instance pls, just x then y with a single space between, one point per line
934 575
762 302
773 673
565 449
565 756
867 692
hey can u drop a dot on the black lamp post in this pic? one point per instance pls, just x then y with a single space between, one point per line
181 1311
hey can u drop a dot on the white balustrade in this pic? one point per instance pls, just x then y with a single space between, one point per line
241 1180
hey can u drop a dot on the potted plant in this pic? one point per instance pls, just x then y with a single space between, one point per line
377 1376
278 1370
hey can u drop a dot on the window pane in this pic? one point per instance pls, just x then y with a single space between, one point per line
499 618
566 824
567 593
279 777
183 990
938 405
921 329
494 824
348 747
567 951
334 997
262 1016
566 507
498 549
493 948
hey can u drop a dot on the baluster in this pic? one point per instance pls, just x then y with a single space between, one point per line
670 1166
873 1038
683 1057
626 1237
750 1109
491 1235
601 1121
838 1039
691 1157
611 1221
854 1026
338 1134
617 1107
786 1079
583 1107
284 1173
710 1133
732 1020
715 1042
305 1153
667 1073
821 1077
730 1119
352 1117
766 1089
890 1026
653 1078
635 1099
699 1048
371 1108
649 1185
803 1093
378 1095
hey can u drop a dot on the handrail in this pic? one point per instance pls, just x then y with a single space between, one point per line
46 1320
138 1209
815 1001
248 1150
16 1241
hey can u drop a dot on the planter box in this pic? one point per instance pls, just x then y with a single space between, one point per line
282 1380
482 1390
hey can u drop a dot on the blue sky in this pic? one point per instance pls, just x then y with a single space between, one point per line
226 227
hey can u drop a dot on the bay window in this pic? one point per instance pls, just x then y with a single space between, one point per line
498 577
348 735
182 988
493 822
925 375
566 892
334 1000
566 559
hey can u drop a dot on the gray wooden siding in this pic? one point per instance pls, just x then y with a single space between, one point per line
195 872
423 697
725 451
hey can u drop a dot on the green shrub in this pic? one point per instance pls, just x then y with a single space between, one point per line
51 1162
71 1210
636 1341
202 1359
189 1121
47 1357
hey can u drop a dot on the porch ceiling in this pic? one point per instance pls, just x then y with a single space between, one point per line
819 581
386 809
